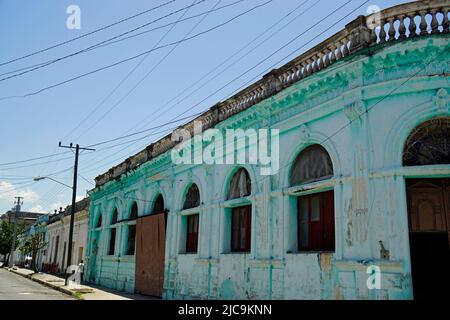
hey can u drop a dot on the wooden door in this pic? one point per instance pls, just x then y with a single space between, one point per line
428 213
316 222
150 253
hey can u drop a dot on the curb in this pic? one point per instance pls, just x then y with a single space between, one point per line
52 286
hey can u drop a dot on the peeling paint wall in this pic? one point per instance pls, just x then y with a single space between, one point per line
329 108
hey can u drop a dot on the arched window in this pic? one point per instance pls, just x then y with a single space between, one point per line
241 216
315 212
131 243
428 144
192 198
240 185
114 217
112 234
312 164
159 204
99 221
134 211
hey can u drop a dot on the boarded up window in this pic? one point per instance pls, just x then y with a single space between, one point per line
428 144
159 204
241 220
131 239
114 217
316 222
112 242
240 185
134 211
192 199
192 233
99 221
312 164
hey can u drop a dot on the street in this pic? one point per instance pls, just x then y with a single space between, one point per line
15 287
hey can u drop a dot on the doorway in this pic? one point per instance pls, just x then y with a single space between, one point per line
429 236
150 254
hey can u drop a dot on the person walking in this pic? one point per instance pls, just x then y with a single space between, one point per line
81 270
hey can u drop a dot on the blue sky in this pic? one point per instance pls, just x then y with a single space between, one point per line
96 108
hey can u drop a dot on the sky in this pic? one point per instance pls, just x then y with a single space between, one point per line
191 54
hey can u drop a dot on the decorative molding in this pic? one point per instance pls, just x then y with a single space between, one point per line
354 110
442 100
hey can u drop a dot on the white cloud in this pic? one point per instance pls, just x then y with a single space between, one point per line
50 208
9 190
37 208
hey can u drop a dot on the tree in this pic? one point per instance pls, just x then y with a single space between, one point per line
6 239
32 245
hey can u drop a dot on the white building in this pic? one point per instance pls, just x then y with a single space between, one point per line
58 237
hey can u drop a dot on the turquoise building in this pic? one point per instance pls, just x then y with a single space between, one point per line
356 207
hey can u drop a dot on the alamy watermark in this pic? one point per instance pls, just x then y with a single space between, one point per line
230 146
74 19
374 279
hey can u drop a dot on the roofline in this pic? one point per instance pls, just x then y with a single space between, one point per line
354 37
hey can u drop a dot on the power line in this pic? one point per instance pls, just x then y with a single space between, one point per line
323 19
268 29
118 138
276 51
92 145
119 38
148 73
230 57
87 34
163 26
50 62
142 131
127 76
33 159
135 56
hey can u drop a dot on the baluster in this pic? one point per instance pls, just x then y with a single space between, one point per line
298 72
373 35
445 23
314 66
319 61
326 58
339 52
295 73
434 22
309 67
382 32
412 25
345 51
401 27
333 55
391 31
287 77
303 70
423 23
372 25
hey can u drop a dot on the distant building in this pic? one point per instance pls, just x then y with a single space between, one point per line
24 217
57 237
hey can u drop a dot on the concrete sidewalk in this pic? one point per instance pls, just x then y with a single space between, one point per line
82 292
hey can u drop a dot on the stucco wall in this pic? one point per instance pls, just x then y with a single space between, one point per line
353 112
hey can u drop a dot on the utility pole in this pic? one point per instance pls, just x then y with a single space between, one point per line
74 195
18 203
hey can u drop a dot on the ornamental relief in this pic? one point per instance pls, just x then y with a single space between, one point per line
428 144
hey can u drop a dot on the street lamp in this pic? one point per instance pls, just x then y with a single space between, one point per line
42 178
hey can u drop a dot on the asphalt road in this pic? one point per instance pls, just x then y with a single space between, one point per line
15 287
